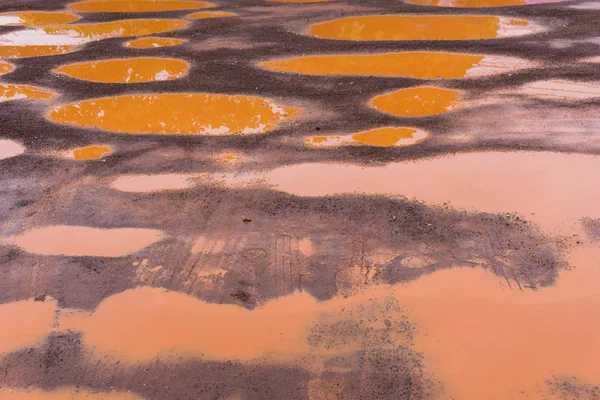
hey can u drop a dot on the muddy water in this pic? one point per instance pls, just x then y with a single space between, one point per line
175 113
68 393
478 3
417 102
211 14
10 148
561 90
421 27
37 18
10 92
85 241
25 324
420 65
26 51
127 70
152 183
379 137
124 6
153 42
550 192
91 152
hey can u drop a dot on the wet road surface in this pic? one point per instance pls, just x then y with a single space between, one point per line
296 199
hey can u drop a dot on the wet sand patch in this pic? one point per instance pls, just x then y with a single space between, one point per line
561 90
175 113
37 18
421 27
419 101
9 92
154 42
379 137
91 152
211 14
10 148
419 65
137 6
80 241
25 323
127 70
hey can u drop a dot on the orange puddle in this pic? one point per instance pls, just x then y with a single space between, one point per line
175 113
120 6
478 3
153 183
561 90
381 137
91 152
10 148
421 65
121 28
37 18
417 102
25 324
154 42
85 241
127 70
421 27
5 68
34 51
543 187
19 92
211 14
66 393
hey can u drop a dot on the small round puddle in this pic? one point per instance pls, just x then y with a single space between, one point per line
91 152
127 70
417 102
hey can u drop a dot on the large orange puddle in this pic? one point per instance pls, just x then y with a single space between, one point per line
123 6
20 92
175 113
211 14
153 42
421 65
25 324
91 152
10 148
68 393
478 3
37 18
380 137
85 241
421 27
127 70
417 102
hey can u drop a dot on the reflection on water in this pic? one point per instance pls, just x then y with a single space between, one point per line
175 113
124 6
153 42
561 90
422 27
127 70
380 137
85 241
10 148
417 102
478 3
420 65
37 18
